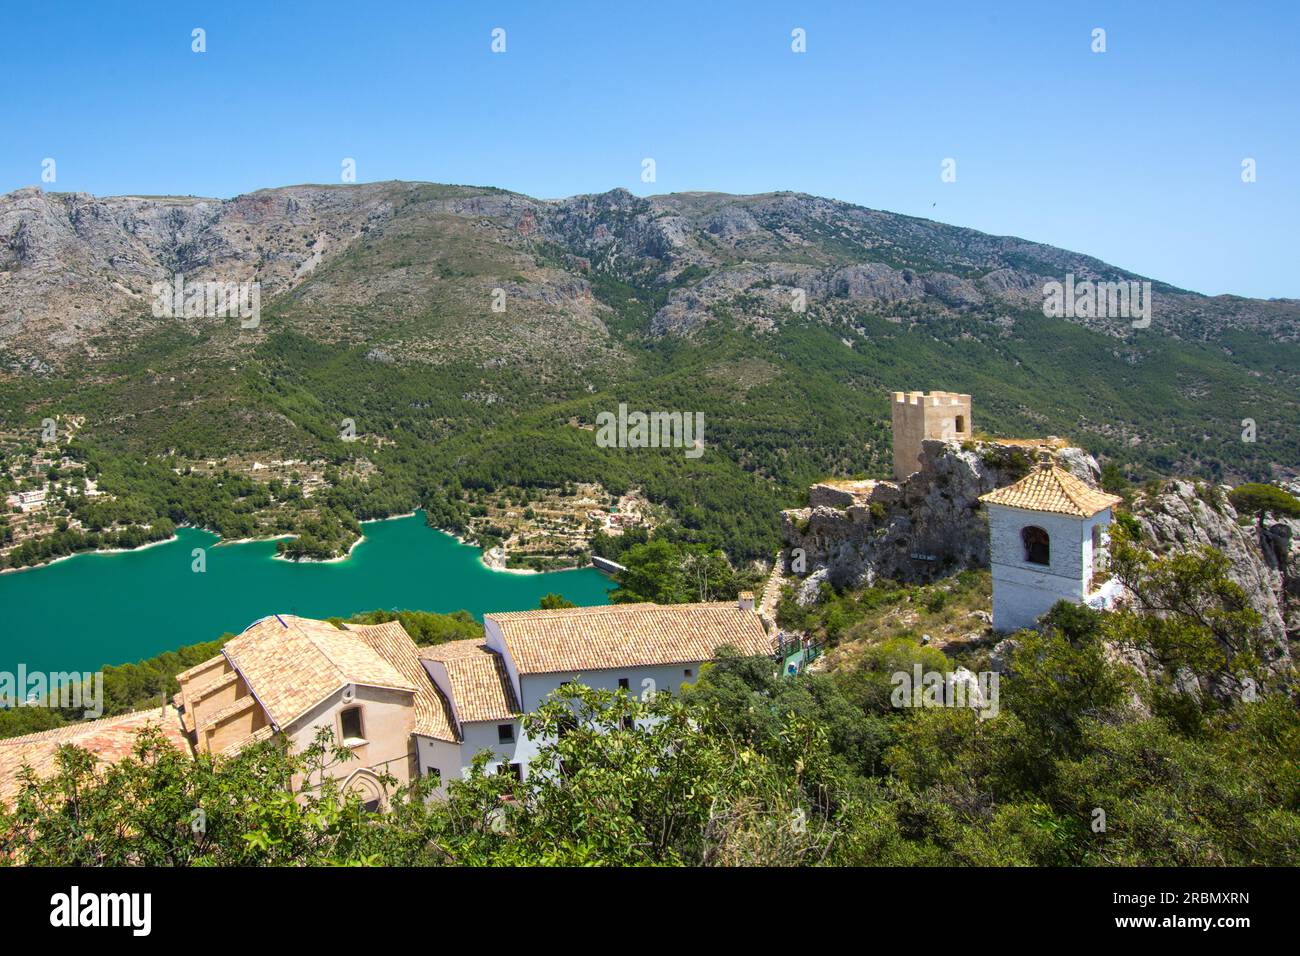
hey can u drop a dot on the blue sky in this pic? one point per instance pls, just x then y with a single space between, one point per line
1133 155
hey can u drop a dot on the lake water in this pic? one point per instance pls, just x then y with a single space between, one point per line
96 609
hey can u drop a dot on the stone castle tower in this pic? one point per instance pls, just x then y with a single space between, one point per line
921 415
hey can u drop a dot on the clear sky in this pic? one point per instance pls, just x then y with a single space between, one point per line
1133 155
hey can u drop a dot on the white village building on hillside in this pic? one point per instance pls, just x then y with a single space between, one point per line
27 500
447 702
526 655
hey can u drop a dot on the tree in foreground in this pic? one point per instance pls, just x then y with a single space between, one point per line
617 781
162 807
627 782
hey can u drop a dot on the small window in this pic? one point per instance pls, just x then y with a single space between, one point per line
688 672
1038 546
505 733
434 772
622 683
350 723
567 723
370 806
515 770
961 424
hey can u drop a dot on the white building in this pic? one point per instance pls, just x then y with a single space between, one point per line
526 655
1047 543
27 500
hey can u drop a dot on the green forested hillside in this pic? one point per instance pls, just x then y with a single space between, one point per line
780 410
395 337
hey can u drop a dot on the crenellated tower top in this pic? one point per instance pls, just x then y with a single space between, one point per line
918 416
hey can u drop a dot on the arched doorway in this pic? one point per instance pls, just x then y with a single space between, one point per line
366 785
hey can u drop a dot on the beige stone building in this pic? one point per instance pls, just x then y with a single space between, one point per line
294 676
918 416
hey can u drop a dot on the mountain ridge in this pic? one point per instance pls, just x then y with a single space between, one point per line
73 254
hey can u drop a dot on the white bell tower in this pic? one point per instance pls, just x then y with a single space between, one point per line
1047 541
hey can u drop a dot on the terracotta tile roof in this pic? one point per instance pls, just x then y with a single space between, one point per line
265 732
293 663
235 708
110 738
480 686
391 642
627 635
209 688
230 710
1049 487
191 675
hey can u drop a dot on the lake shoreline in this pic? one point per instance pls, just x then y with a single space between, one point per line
139 603
334 560
77 554
485 555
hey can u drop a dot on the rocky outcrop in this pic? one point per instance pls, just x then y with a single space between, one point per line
768 291
1183 516
345 264
71 263
929 526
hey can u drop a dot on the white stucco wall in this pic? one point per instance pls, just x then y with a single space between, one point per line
1022 591
454 759
442 754
483 735
537 687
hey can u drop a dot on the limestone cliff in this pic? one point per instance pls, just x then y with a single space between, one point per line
1182 515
